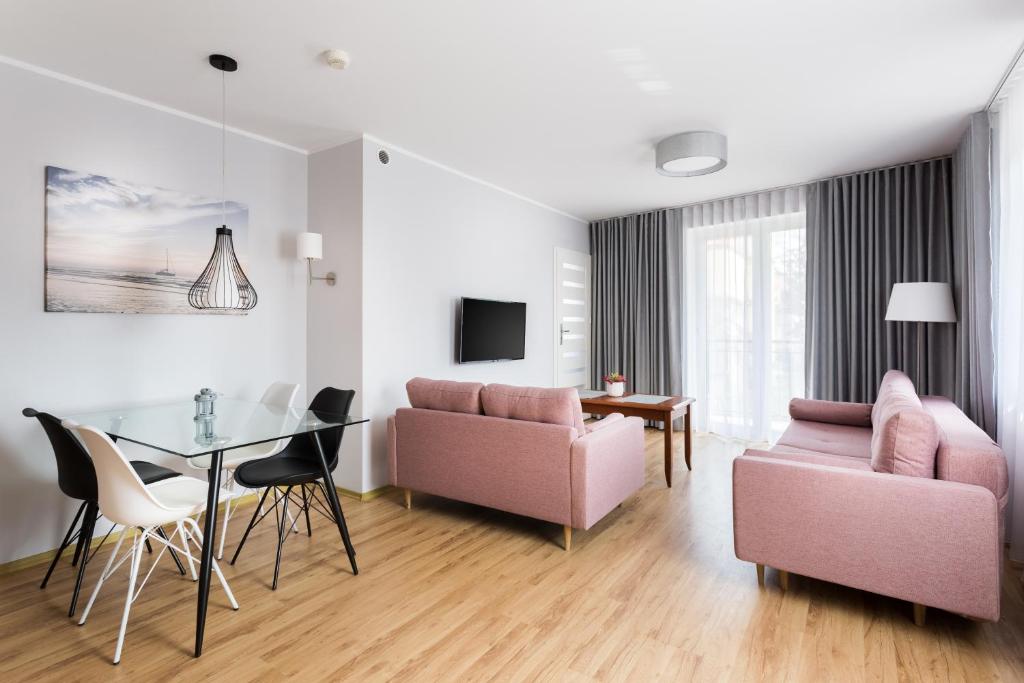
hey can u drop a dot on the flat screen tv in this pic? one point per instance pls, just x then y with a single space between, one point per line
492 331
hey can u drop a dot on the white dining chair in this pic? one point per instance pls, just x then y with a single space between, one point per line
141 510
279 395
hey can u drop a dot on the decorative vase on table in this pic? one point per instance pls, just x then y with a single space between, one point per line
614 384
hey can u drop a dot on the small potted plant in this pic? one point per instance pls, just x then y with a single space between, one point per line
615 384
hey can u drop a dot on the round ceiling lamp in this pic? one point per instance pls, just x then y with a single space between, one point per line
693 153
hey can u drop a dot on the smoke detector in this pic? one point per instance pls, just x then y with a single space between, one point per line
336 59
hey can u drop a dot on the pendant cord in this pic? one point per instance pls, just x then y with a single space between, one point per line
223 148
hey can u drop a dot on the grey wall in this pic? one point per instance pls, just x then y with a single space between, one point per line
62 362
431 236
335 321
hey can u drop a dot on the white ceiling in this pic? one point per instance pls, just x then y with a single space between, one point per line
558 100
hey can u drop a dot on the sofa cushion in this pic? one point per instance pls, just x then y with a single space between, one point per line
834 412
822 437
813 458
904 438
894 384
439 394
535 404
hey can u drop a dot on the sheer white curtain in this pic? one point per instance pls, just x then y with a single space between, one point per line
744 319
1008 295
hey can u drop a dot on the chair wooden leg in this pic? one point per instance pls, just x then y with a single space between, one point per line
408 499
919 614
760 575
784 580
568 537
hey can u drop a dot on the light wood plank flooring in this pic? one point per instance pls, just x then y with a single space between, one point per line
454 592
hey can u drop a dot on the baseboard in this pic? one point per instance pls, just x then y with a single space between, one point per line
366 495
47 555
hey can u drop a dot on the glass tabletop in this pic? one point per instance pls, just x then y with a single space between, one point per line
174 427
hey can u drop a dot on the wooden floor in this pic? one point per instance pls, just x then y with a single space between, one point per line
453 592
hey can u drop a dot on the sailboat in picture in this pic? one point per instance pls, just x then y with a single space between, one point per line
167 266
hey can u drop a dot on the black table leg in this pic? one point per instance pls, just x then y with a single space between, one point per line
209 532
332 496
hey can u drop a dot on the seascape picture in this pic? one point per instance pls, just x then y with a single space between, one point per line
117 247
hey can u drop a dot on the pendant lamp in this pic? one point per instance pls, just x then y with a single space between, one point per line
223 286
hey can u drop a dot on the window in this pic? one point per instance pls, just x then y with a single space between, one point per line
744 323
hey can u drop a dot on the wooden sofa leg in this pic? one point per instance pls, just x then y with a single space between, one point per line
784 580
919 614
568 537
408 499
760 575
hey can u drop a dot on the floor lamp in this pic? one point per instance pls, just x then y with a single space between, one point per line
921 302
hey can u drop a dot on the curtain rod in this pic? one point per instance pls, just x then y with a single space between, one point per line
779 187
1005 79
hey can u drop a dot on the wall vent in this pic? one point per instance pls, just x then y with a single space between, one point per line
383 156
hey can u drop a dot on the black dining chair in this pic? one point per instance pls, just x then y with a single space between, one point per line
299 466
76 477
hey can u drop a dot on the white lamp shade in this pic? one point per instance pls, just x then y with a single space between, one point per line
310 245
925 302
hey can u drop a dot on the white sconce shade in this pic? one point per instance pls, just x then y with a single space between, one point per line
925 302
310 245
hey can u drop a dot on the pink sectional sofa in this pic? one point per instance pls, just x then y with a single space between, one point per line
519 449
904 498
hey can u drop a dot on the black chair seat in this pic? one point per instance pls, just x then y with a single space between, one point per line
277 471
150 473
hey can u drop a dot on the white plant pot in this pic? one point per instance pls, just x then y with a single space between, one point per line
615 388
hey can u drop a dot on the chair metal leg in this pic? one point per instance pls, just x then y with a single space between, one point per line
188 551
63 544
103 577
227 514
216 566
137 548
305 509
174 555
88 527
282 533
252 523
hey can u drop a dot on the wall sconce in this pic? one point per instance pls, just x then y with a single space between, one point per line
310 246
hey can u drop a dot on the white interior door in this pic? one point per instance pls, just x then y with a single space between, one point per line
572 319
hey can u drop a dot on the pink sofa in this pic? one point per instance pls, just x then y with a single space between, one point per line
519 449
904 498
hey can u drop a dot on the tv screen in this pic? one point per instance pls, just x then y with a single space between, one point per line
492 330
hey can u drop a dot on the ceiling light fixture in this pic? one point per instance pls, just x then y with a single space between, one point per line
223 286
693 153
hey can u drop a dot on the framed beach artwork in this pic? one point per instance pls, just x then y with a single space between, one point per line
118 247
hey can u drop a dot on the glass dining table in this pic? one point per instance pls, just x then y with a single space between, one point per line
176 429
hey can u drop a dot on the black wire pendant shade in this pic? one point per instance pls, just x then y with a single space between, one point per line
223 284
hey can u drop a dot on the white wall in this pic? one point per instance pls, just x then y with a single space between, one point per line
63 362
334 324
430 237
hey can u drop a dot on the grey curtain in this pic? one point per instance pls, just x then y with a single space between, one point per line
974 374
637 302
866 232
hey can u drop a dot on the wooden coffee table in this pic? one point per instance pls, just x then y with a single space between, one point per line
668 410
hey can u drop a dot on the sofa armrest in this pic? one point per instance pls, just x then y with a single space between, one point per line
606 466
832 412
604 422
928 541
